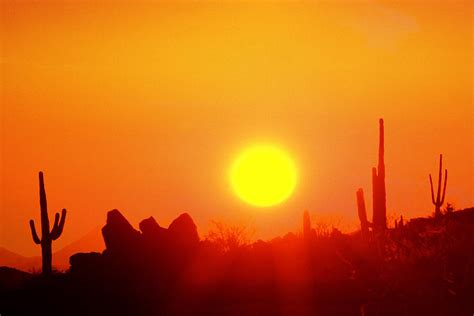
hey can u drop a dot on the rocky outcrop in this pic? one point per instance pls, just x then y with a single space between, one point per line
89 261
184 230
150 228
152 250
118 233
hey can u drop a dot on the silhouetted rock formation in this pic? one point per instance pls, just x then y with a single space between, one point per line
157 252
118 233
149 227
426 267
86 261
183 230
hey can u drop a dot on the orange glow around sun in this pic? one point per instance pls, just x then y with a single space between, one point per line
263 175
144 107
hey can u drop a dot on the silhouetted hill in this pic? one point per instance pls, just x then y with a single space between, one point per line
465 216
11 259
425 267
12 279
92 241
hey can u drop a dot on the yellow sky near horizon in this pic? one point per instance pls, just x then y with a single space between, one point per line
143 107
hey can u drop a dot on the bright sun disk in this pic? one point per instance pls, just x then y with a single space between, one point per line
263 175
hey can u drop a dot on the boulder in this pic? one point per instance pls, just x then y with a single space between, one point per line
85 262
183 229
119 235
155 238
149 227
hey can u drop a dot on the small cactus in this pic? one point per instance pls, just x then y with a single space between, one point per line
47 236
439 201
399 223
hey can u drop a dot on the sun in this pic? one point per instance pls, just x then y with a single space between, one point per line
263 175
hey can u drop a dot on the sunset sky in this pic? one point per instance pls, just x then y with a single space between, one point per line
144 107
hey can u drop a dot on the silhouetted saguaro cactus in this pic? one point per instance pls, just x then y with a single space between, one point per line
379 215
306 225
439 201
47 236
364 224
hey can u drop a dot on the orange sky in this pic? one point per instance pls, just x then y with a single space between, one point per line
142 107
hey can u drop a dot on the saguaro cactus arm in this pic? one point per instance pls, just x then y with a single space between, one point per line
361 205
364 224
58 225
432 193
56 222
33 232
444 189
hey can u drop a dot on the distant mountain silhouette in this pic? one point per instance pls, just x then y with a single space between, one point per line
92 241
14 260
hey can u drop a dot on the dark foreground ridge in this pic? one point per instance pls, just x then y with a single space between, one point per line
425 267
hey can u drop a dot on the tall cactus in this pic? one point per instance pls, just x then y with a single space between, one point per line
364 224
47 236
439 198
379 215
